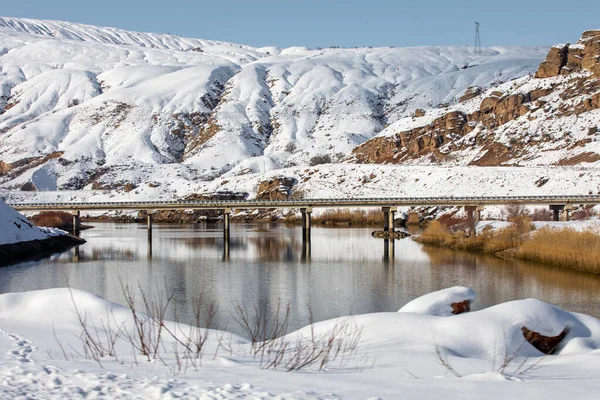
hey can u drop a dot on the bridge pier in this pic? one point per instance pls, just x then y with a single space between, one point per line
388 218
306 222
76 220
226 223
473 216
561 212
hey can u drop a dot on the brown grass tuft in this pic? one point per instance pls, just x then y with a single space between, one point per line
53 219
413 218
346 216
564 248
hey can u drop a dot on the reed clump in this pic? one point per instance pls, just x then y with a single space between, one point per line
559 247
349 217
564 248
489 241
53 219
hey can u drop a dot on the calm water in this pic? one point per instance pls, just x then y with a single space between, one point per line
345 272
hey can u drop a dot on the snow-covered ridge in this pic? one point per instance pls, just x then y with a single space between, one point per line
106 35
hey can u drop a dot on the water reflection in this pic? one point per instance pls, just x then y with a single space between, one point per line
333 272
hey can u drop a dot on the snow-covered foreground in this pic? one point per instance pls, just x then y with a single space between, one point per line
14 227
398 355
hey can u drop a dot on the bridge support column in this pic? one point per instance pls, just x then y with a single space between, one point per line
306 222
561 212
76 220
149 221
388 218
473 216
226 223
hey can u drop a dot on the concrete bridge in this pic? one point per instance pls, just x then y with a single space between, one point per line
560 205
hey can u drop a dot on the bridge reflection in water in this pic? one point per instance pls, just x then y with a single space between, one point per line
294 249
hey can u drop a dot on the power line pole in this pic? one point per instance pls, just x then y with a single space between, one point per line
477 39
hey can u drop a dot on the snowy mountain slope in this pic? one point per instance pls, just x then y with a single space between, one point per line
102 99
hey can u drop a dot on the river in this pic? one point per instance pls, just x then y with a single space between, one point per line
345 272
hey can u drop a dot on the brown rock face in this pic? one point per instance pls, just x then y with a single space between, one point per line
462 307
566 59
470 93
555 60
545 344
278 188
4 168
419 113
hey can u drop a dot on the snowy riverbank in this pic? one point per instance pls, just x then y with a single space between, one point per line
20 239
411 354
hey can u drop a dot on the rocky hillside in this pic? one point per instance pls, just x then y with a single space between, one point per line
550 118
84 107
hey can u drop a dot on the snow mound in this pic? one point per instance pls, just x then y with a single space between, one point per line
439 303
14 227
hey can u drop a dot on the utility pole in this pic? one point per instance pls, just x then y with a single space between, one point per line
477 39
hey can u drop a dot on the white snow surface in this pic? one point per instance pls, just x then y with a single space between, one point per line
396 354
14 227
439 303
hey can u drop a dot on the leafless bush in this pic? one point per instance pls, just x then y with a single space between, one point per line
515 210
149 335
290 147
320 159
542 214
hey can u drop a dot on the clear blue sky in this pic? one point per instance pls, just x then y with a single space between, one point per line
332 22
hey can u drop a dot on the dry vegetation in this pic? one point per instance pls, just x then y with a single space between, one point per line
578 250
344 217
54 219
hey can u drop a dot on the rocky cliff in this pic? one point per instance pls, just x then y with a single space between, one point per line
547 119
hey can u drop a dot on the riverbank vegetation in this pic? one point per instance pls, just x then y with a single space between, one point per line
343 217
560 247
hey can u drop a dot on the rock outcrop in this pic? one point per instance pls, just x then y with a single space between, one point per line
277 188
565 59
545 344
436 141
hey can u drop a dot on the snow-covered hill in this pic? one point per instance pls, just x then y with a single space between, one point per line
81 104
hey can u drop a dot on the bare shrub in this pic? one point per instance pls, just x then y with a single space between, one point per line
514 210
320 159
542 214
290 147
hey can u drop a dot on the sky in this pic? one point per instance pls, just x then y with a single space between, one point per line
323 23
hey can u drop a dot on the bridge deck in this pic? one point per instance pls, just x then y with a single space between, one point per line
314 203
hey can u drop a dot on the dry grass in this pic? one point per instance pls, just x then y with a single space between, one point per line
53 219
436 234
489 241
413 218
565 248
348 217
